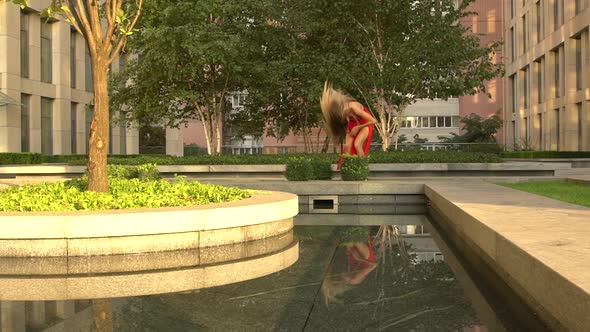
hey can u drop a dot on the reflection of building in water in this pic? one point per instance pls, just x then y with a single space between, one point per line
17 316
422 244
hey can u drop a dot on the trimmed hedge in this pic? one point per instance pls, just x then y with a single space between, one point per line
545 154
354 168
304 168
20 158
125 192
279 159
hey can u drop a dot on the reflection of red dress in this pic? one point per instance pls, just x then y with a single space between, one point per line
355 264
353 123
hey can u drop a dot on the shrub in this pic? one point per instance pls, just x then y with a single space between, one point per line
546 154
321 169
354 168
298 169
123 194
20 158
148 172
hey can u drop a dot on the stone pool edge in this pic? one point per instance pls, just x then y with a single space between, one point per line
542 256
86 233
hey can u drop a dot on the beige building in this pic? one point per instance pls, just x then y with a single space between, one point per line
547 81
45 68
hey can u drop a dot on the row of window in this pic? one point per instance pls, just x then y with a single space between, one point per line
47 126
558 19
46 53
430 122
540 119
540 68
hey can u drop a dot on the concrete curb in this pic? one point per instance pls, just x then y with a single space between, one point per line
42 234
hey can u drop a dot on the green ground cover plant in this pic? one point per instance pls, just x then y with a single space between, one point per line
545 154
278 159
129 187
563 191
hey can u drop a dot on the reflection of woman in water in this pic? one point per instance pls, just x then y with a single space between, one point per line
346 118
360 261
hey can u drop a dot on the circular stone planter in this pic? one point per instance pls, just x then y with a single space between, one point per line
63 278
89 233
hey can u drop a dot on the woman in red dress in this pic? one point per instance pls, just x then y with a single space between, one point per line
345 117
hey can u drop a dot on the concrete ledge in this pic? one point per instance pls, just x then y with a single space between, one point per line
539 246
574 162
93 286
145 230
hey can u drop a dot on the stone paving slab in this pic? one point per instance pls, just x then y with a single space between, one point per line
541 244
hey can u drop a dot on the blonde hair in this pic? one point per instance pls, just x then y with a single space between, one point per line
332 104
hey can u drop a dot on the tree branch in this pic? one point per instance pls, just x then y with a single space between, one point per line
121 42
95 25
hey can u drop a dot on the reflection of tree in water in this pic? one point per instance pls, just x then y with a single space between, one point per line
401 293
152 313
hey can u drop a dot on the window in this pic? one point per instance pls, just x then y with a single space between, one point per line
526 133
89 84
25 101
238 100
455 121
513 91
513 44
448 122
511 8
556 23
580 127
525 86
540 119
540 83
123 136
46 126
74 127
539 21
579 74
73 59
110 135
24 45
514 142
433 122
46 56
557 127
525 35
556 73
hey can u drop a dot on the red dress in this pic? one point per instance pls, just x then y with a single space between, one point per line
353 123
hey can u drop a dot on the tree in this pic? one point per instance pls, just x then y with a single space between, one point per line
391 53
191 56
105 26
477 130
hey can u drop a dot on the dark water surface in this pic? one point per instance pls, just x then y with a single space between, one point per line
391 277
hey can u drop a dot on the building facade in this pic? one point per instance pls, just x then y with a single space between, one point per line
45 68
547 81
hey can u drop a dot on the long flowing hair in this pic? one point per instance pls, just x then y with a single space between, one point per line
332 104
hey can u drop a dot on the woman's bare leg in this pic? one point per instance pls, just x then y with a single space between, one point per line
360 141
348 141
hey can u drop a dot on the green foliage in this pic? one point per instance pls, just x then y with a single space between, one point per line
194 150
563 191
545 154
434 157
148 172
321 168
353 234
419 140
298 169
477 130
20 158
123 193
354 168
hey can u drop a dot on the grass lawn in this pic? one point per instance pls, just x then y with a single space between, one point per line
563 191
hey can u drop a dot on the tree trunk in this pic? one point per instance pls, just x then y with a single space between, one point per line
207 135
218 134
99 130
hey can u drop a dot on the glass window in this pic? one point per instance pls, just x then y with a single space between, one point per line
25 101
579 6
24 45
556 73
525 86
540 83
557 127
441 121
123 136
425 122
448 123
539 21
580 127
89 84
525 36
526 133
74 127
513 44
455 121
432 122
579 74
73 59
540 117
46 56
46 126
555 14
513 92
